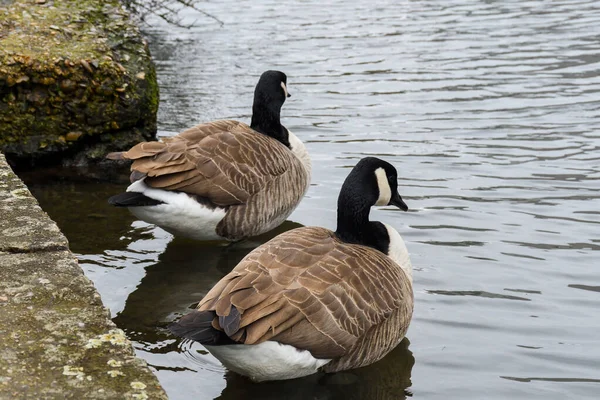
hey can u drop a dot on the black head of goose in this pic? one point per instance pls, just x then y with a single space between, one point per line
312 299
359 192
222 179
269 96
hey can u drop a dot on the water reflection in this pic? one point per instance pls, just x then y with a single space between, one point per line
387 379
573 380
78 205
478 293
585 287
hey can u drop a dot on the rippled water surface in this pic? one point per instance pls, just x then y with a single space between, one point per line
490 111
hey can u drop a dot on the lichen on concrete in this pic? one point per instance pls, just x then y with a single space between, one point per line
24 226
76 79
56 338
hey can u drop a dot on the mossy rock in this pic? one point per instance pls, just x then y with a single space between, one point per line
56 338
76 81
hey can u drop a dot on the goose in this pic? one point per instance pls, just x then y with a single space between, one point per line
221 180
311 299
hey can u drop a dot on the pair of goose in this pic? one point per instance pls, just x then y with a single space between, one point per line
308 300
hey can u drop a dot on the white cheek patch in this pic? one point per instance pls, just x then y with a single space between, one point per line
284 89
385 192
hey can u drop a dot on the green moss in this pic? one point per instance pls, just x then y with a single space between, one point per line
152 92
72 66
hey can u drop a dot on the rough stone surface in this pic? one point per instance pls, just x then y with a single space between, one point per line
76 81
56 338
24 227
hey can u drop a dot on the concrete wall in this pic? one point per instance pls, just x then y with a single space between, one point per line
56 338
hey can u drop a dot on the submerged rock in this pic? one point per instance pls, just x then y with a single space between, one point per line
76 81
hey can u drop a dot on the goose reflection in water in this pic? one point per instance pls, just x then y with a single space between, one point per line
387 379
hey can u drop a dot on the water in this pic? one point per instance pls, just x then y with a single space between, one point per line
490 111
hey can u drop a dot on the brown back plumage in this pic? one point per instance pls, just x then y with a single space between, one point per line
308 289
231 165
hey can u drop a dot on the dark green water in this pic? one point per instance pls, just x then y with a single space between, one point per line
489 109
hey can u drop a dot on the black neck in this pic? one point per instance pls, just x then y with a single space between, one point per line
353 225
266 120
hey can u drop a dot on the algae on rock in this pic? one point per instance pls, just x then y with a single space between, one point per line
76 81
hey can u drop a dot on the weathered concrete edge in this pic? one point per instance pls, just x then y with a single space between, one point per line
56 338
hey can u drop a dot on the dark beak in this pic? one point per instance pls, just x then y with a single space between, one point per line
398 202
289 95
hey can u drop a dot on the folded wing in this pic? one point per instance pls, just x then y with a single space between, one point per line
308 289
224 161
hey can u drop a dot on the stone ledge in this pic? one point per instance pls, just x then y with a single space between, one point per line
56 338
24 226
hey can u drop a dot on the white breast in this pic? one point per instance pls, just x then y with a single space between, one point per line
299 150
267 361
180 214
398 251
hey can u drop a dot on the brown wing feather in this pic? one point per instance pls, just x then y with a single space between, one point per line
308 289
225 161
260 212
